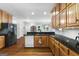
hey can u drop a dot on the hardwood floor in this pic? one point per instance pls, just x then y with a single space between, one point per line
19 50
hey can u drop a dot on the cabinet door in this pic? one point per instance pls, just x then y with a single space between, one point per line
44 41
56 48
77 13
72 53
57 8
57 21
0 18
71 15
62 6
51 45
36 41
2 41
63 50
9 19
62 53
4 17
53 18
63 19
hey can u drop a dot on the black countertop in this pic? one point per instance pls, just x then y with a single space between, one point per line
70 43
39 33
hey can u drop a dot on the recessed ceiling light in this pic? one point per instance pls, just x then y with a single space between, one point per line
45 13
33 13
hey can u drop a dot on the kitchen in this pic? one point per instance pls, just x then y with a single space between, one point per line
46 29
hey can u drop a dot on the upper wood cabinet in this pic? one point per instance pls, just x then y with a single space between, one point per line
53 18
63 18
71 15
57 21
57 9
66 15
9 19
62 6
4 17
77 13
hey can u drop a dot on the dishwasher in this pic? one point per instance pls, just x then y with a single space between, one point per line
29 41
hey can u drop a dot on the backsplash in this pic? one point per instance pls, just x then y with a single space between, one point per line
71 33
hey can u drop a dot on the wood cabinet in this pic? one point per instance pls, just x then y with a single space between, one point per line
9 19
63 50
63 19
57 21
62 6
0 18
2 41
59 49
57 9
57 44
68 16
4 17
51 44
77 13
54 18
71 15
40 41
72 53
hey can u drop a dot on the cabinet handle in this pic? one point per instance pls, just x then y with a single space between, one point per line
77 20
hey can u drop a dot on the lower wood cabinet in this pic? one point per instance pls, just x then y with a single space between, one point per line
72 53
63 50
40 41
51 45
2 41
57 44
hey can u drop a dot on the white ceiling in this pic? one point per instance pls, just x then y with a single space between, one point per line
24 10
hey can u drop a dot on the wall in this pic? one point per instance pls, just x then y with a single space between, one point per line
71 33
20 26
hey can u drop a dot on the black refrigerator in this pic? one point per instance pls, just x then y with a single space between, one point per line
10 33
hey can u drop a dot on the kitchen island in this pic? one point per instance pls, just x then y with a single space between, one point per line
37 39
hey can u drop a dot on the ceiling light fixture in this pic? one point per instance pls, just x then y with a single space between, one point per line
33 13
45 13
